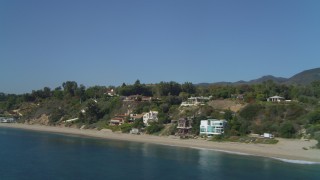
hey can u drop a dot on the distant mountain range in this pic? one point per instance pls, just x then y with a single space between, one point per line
303 78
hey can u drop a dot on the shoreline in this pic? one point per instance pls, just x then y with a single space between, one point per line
286 150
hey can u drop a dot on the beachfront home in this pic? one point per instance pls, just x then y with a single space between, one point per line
195 101
184 126
116 121
151 116
212 127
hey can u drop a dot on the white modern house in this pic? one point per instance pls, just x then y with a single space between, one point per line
276 99
212 127
151 116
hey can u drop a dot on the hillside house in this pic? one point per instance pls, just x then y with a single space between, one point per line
134 117
195 101
110 92
138 98
237 96
212 127
275 99
151 116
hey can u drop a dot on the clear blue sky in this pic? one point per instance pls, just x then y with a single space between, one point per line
107 42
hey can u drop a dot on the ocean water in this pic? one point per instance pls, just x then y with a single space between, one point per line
44 156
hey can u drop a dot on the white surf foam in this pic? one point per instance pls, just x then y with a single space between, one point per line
246 154
295 161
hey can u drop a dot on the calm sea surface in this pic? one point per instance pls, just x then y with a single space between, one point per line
38 155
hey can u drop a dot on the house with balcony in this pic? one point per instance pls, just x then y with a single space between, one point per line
184 126
211 127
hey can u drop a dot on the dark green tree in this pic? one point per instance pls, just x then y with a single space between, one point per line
95 92
80 92
188 87
314 117
28 98
70 88
47 92
169 88
228 115
58 93
233 127
196 124
3 97
92 112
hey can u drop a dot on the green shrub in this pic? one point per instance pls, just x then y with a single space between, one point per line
56 115
314 117
287 130
218 138
154 127
312 129
125 128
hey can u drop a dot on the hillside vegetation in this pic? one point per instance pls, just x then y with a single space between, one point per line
243 106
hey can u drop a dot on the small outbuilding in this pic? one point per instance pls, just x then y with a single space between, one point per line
134 131
267 135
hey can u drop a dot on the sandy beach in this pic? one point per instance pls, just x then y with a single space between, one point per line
293 150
